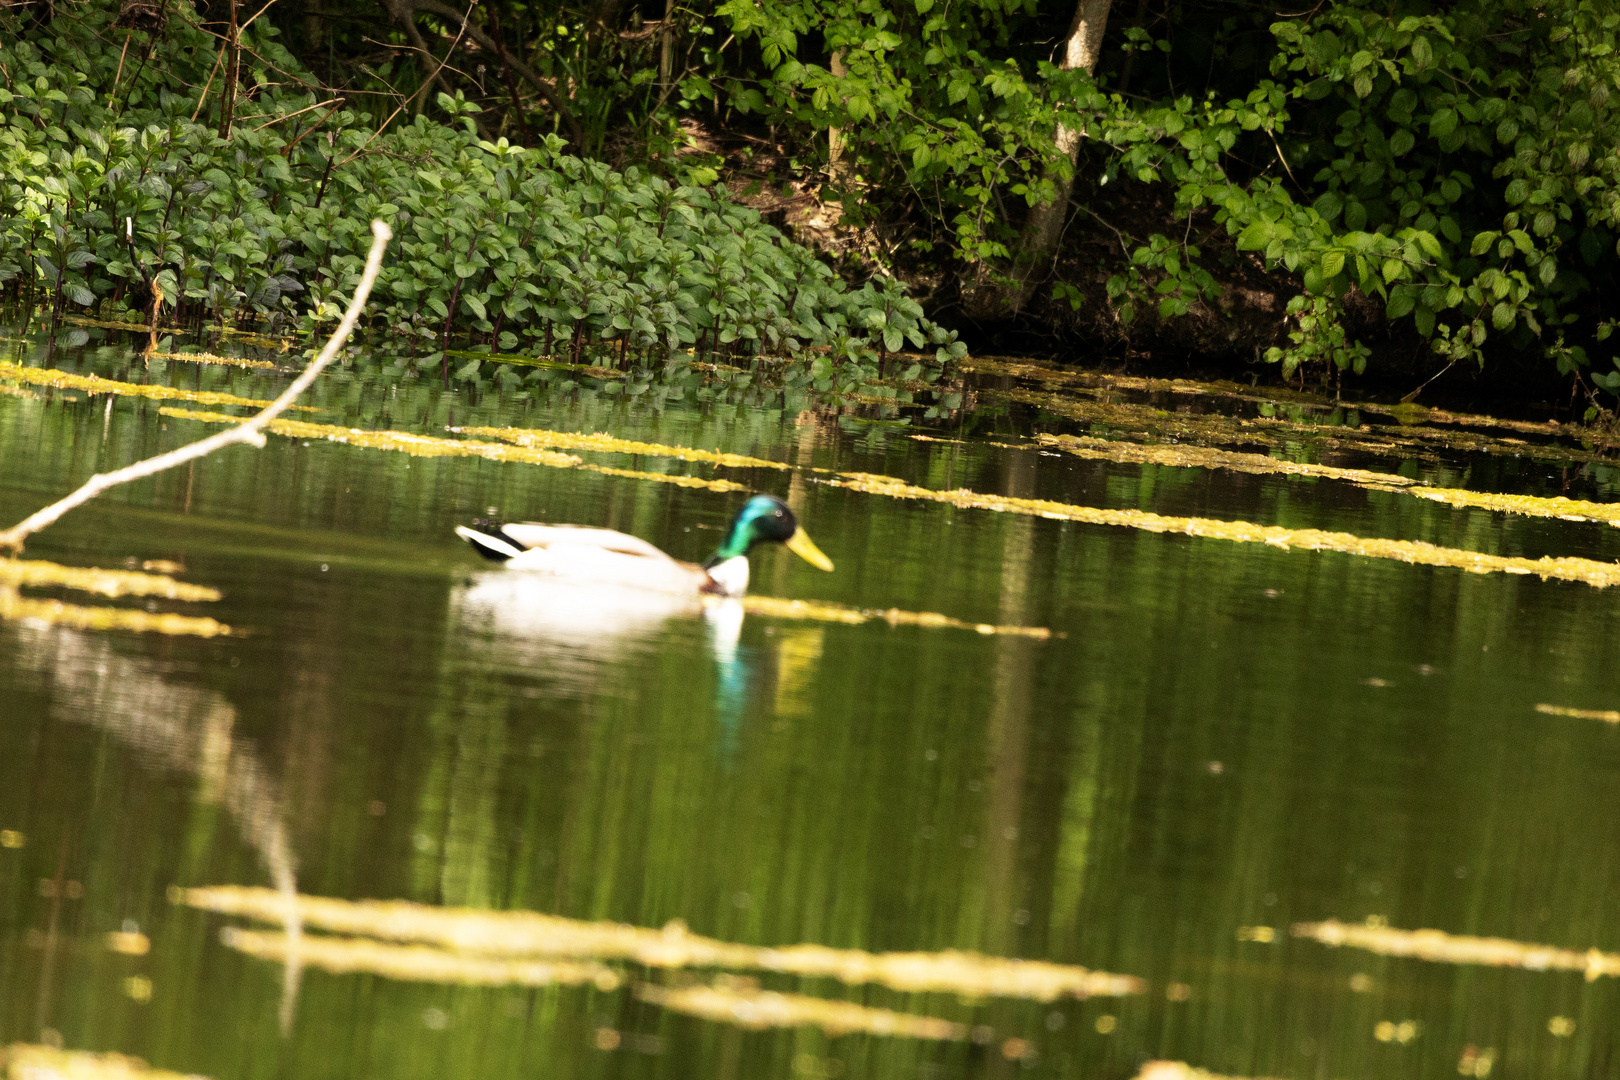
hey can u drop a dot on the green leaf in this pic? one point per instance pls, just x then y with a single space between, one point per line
1329 204
1502 316
1256 236
1422 52
1332 263
1401 301
1443 123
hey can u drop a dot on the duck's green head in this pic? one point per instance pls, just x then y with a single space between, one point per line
765 517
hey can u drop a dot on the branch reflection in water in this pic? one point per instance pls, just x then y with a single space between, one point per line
177 728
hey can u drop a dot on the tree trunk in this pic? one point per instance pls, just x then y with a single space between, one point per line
233 73
836 167
1037 243
666 46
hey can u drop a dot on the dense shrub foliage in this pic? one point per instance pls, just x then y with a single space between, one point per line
1457 161
1450 165
108 187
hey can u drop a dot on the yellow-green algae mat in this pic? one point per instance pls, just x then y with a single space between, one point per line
17 574
1609 716
727 1000
1180 1070
528 934
31 1061
1152 423
525 445
95 384
1193 457
429 446
1437 946
1592 572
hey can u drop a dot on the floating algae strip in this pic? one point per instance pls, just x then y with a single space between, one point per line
1442 948
14 606
210 358
1531 505
30 1061
528 933
280 344
33 572
1180 1070
429 446
758 1010
611 445
1598 574
1207 458
16 574
417 963
817 611
1151 422
95 384
1204 457
1611 716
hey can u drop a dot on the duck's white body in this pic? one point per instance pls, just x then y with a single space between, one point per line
587 554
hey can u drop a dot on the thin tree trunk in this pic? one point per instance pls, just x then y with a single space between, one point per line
666 46
836 165
233 72
1037 244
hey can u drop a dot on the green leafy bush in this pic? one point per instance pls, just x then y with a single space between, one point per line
109 186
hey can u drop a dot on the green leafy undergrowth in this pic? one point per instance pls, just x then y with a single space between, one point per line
111 191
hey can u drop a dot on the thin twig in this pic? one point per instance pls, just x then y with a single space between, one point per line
1409 398
256 14
112 95
202 98
334 103
250 431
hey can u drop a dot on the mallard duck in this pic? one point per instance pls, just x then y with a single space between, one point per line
602 555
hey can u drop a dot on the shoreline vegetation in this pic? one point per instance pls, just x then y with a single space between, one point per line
117 201
1342 193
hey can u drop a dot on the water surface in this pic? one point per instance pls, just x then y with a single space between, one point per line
1216 737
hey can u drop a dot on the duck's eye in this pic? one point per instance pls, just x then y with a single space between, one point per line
776 513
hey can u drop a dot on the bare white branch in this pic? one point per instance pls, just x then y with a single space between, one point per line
250 431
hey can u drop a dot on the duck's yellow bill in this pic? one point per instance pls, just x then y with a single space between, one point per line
802 546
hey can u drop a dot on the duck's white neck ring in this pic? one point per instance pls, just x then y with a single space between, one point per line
731 575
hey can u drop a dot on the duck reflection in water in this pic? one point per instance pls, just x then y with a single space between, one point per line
595 595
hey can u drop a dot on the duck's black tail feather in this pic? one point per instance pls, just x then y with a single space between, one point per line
489 539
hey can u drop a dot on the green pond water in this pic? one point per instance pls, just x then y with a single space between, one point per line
1218 736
